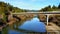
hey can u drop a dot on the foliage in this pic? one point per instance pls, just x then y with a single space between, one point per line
7 7
59 6
49 8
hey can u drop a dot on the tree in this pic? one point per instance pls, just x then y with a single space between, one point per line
48 8
59 6
54 7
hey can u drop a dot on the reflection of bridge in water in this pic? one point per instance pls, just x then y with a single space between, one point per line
37 13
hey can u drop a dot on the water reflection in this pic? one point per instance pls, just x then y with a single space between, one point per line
33 25
24 27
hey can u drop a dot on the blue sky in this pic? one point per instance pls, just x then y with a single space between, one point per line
32 4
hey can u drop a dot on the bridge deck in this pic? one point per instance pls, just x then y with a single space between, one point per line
38 13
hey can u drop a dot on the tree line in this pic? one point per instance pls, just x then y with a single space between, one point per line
53 8
4 7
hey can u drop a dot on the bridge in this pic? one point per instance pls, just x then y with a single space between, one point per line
54 28
37 13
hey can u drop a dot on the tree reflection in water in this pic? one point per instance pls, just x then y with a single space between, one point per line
14 27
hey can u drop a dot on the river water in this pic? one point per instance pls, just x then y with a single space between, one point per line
25 27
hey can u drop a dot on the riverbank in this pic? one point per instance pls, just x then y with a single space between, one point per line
52 28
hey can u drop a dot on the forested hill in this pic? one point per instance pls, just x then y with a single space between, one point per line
51 8
7 7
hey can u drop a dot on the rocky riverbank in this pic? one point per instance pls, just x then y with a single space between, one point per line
52 18
55 18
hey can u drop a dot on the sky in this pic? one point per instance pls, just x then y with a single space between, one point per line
32 4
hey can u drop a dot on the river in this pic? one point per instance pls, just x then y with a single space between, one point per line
25 27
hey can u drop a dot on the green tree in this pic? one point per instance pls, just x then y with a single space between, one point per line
59 6
54 7
48 8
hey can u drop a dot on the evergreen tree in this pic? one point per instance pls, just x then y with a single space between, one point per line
59 6
54 7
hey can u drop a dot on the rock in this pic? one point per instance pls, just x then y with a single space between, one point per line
55 19
42 17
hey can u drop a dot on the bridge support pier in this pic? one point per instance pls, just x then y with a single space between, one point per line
47 19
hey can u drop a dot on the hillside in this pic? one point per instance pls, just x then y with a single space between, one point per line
7 7
51 8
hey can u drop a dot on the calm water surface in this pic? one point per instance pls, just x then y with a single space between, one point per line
24 27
